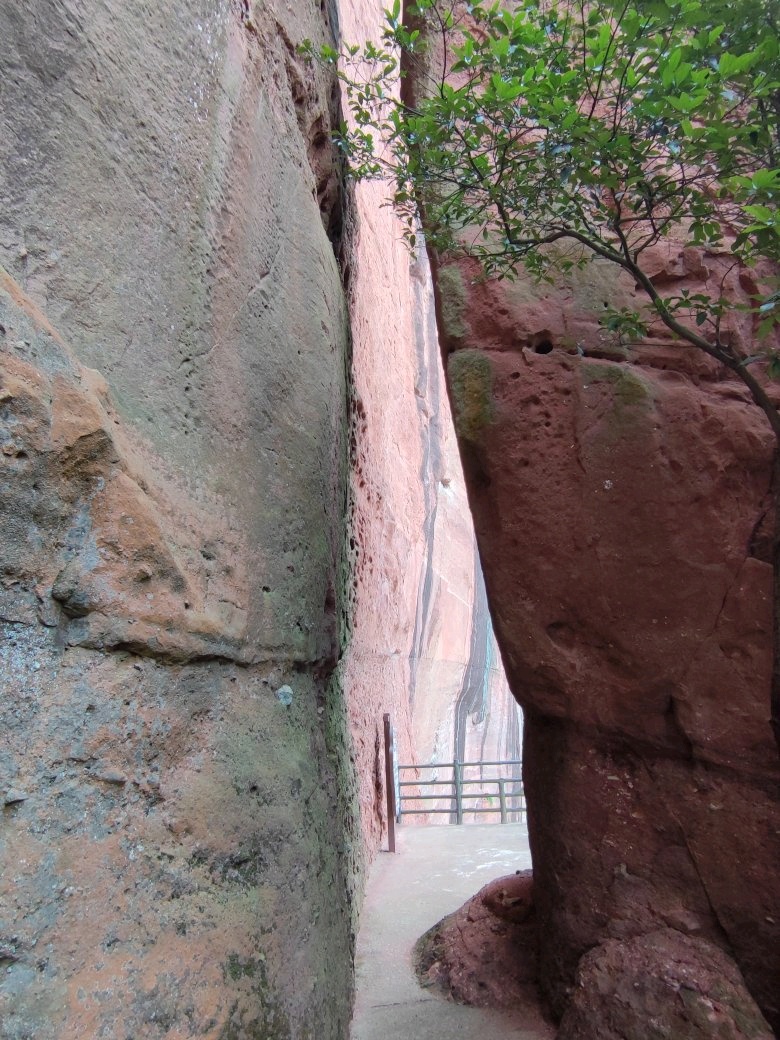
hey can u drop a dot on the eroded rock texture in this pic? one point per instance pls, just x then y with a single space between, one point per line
183 562
178 856
484 954
661 984
622 511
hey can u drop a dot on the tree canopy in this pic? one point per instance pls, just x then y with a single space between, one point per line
542 134
602 126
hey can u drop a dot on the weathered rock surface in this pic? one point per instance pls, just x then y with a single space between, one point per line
621 504
179 852
182 853
421 644
484 954
661 986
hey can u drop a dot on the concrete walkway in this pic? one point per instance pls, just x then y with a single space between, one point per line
434 871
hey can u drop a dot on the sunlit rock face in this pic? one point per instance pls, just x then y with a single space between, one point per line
178 853
421 646
464 711
621 501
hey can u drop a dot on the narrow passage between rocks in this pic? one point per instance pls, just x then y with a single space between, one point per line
434 871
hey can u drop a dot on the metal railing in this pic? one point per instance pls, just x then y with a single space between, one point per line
507 790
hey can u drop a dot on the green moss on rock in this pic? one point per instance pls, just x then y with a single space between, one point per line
629 389
471 384
632 398
261 1018
237 967
452 302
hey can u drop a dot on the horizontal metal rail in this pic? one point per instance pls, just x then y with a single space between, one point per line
418 812
437 797
465 765
508 788
448 783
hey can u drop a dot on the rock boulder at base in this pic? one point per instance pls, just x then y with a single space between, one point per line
484 954
661 986
621 495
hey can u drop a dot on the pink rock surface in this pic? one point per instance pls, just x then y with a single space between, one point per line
418 619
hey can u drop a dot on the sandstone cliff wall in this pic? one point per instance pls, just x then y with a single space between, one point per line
621 501
187 748
189 765
178 850
621 497
421 645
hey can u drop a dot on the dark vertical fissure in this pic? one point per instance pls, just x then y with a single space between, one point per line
472 699
428 406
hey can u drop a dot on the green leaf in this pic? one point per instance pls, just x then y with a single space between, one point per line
767 179
715 34
762 213
553 124
727 65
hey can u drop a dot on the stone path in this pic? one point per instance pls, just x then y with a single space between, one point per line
434 871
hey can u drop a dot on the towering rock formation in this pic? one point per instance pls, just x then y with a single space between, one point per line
621 497
420 645
202 615
621 501
175 782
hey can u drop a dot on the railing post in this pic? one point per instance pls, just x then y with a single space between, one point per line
389 785
502 799
458 778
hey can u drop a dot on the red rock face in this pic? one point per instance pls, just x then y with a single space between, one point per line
621 506
679 986
484 953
